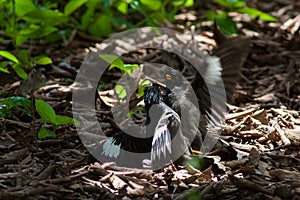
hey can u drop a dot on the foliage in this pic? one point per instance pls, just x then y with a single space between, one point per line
116 62
226 24
99 17
9 106
23 20
156 11
48 115
22 62
132 112
55 20
142 85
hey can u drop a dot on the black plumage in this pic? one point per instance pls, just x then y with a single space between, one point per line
124 149
162 127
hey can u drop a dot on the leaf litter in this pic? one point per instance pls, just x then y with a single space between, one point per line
263 126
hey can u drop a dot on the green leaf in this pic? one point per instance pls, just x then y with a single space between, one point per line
143 84
35 31
24 57
48 17
87 17
9 56
101 26
123 7
45 111
27 31
3 66
231 4
42 60
121 91
58 35
226 24
23 7
109 58
152 4
106 3
46 133
61 120
72 5
20 39
181 3
131 113
117 62
113 60
198 163
20 71
129 67
189 3
210 15
256 13
224 3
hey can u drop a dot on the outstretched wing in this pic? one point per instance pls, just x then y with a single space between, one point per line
167 127
222 68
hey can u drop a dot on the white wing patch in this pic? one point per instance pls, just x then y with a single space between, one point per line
214 69
110 149
161 143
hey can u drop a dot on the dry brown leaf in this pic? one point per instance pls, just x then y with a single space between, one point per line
116 182
293 135
246 147
285 175
251 134
244 183
135 192
239 114
281 133
266 98
261 115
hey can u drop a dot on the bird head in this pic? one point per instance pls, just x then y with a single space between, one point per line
152 95
173 79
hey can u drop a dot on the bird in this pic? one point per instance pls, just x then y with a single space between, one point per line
162 127
179 115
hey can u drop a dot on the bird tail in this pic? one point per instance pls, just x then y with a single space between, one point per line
110 148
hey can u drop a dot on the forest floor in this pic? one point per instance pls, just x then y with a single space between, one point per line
263 125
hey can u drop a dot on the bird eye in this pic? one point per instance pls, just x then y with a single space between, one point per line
168 77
